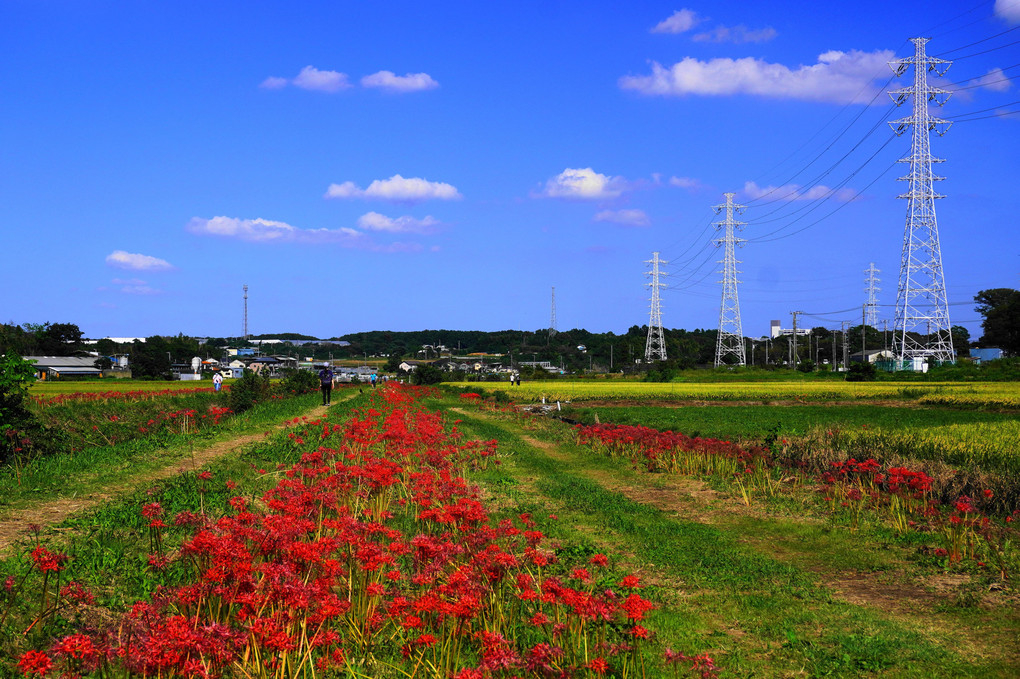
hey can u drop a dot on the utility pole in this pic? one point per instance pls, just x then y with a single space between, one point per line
846 346
921 292
795 359
655 344
730 339
552 317
833 351
864 334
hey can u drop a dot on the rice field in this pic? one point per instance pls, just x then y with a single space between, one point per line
989 394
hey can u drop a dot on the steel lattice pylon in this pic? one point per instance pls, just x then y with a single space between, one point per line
730 339
921 323
655 345
871 314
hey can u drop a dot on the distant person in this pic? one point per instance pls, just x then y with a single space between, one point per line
327 380
374 378
217 381
518 379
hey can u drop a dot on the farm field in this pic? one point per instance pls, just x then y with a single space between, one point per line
481 541
994 395
51 388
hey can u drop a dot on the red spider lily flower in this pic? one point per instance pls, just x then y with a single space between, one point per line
205 475
581 574
74 592
77 646
988 493
35 663
539 619
599 666
630 582
635 607
599 560
47 561
639 632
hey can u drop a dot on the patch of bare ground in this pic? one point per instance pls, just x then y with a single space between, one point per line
22 522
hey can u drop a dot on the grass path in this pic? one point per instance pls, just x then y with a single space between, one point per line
768 594
19 523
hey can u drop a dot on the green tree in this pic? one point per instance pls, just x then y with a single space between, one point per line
1000 308
427 374
17 424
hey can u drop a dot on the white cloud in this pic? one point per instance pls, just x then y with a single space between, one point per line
273 83
584 184
623 217
396 189
268 231
736 34
686 183
838 77
680 21
310 78
140 290
1008 10
128 281
793 192
373 221
137 262
412 82
995 80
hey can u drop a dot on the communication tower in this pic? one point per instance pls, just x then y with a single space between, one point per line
552 316
655 345
921 323
245 313
730 339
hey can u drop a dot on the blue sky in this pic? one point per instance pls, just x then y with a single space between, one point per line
410 165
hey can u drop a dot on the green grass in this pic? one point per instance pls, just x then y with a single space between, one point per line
723 593
754 422
94 469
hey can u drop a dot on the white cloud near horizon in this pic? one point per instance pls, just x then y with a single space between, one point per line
837 77
584 184
269 231
137 262
628 217
396 189
310 78
373 221
794 192
391 82
1008 10
738 35
680 21
995 80
688 183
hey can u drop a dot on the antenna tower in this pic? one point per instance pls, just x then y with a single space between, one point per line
871 314
730 339
245 313
921 304
552 316
655 345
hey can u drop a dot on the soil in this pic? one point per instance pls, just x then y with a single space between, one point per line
23 522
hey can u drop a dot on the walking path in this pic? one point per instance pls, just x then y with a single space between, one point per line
23 522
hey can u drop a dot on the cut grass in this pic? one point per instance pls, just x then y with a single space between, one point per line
742 600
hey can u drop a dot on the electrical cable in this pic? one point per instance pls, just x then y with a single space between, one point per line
977 42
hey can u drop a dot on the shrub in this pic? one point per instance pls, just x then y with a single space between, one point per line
299 381
247 391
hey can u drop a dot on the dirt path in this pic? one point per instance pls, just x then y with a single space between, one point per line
21 523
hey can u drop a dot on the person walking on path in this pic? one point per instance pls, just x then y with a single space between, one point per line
326 382
374 378
217 381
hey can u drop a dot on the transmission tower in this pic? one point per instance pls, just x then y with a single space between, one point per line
245 313
921 304
655 345
871 315
730 339
552 316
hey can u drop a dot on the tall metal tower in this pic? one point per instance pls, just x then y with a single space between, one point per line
871 313
730 340
655 345
246 313
552 317
921 304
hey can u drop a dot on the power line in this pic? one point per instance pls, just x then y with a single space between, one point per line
977 42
